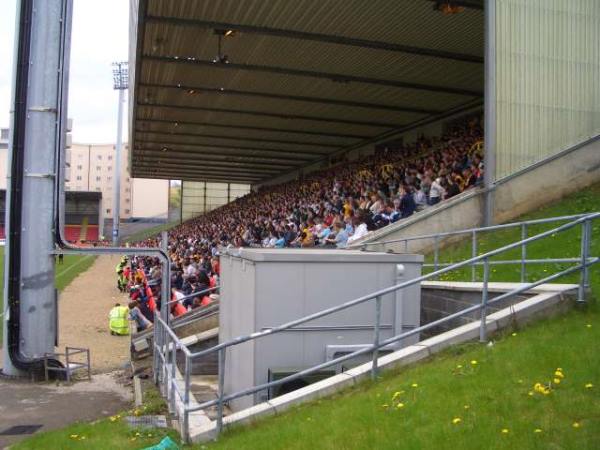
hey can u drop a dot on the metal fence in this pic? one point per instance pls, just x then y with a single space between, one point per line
475 238
166 342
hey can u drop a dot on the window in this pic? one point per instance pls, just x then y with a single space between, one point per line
98 168
109 168
78 177
98 188
79 167
108 178
127 189
126 211
98 178
107 210
110 157
99 157
126 200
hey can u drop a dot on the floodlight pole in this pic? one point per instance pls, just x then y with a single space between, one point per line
121 84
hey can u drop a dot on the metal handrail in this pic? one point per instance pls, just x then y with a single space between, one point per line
381 292
584 261
479 229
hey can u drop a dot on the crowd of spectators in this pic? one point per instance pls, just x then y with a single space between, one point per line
329 208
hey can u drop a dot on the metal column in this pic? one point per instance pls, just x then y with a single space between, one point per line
490 110
37 322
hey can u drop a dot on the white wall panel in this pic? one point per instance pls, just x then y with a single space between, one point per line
548 78
199 197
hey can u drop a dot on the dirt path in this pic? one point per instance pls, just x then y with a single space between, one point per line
83 315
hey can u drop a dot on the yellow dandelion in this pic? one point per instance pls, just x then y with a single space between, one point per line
466 406
556 381
385 405
456 421
474 362
459 366
520 381
537 430
74 436
559 369
576 425
400 405
132 439
415 385
530 393
589 386
138 434
150 434
504 430
82 438
514 334
589 325
559 374
396 395
546 391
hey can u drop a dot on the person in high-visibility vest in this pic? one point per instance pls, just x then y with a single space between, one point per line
118 320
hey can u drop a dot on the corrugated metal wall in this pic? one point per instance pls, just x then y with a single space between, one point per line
548 78
199 197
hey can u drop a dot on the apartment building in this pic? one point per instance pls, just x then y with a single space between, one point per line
91 167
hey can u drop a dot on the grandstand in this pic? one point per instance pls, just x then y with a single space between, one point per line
362 140
359 125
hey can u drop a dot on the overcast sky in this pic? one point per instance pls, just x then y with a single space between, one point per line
100 34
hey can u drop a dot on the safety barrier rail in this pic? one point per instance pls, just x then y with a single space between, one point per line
165 371
475 232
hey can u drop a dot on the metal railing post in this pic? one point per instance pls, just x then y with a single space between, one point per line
484 300
474 255
186 400
374 365
436 254
221 390
173 374
585 248
523 254
406 246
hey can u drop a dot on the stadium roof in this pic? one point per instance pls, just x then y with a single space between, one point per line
246 90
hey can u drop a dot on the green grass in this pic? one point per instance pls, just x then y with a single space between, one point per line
496 389
109 433
100 435
72 266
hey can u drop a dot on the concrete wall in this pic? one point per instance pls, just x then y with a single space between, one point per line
437 303
547 182
525 191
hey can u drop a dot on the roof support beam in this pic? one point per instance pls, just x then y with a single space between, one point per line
268 114
274 153
206 169
318 37
210 179
300 98
334 77
182 160
232 138
209 166
270 156
246 127
199 173
234 157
